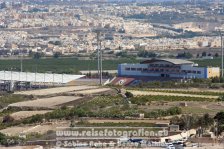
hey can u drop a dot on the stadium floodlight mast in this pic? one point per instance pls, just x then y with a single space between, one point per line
221 36
98 31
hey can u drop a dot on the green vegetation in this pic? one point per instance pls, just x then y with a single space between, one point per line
185 55
142 100
193 121
195 83
9 141
146 54
73 65
198 110
185 92
129 95
102 107
216 62
120 124
60 65
11 98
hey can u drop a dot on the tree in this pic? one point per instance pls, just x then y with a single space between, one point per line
7 119
216 55
184 55
146 54
185 121
3 5
204 54
37 55
57 54
122 54
129 95
219 117
205 121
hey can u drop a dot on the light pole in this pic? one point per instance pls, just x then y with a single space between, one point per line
221 36
99 55
21 63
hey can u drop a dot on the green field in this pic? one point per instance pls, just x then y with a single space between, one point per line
73 65
216 62
60 65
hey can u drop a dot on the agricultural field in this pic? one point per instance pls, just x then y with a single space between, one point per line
61 65
73 65
24 114
216 62
192 91
41 129
48 103
57 90
7 99
93 91
156 93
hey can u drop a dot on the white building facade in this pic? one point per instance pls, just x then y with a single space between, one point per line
167 68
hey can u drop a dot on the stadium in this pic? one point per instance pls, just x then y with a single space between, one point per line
167 68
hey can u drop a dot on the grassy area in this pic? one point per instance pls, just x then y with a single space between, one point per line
216 62
60 65
197 110
142 100
73 65
186 92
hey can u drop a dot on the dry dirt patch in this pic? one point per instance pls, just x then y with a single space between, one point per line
46 102
41 129
93 91
24 114
56 90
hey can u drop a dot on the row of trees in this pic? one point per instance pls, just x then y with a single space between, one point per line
204 54
196 82
38 55
206 122
187 122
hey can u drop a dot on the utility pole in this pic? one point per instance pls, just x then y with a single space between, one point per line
101 71
222 52
221 36
99 56
21 64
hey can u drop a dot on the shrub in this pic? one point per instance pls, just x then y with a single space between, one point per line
7 119
129 95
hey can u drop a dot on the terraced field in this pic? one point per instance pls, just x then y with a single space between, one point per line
57 90
24 114
156 93
52 102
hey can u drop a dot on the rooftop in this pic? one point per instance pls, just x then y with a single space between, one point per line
173 61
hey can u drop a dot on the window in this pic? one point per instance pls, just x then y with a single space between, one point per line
198 72
145 69
139 69
133 69
127 69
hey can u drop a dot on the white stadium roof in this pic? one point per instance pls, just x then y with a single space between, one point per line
37 77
